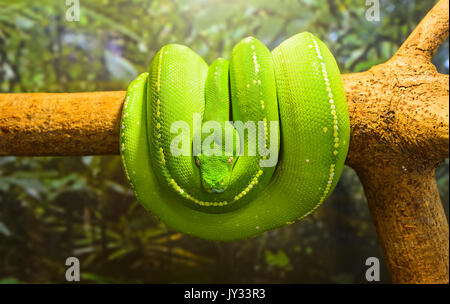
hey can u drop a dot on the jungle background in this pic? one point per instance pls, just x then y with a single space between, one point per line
55 207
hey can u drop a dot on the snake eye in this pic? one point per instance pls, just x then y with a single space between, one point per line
197 161
230 160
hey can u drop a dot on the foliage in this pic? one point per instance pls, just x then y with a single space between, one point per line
52 208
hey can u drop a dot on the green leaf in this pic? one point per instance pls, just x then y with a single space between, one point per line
280 259
9 280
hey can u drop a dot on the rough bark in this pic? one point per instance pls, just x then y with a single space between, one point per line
65 124
399 114
400 134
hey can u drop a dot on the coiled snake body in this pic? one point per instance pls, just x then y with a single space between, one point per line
296 98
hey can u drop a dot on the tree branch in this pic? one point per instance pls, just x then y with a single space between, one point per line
399 116
429 34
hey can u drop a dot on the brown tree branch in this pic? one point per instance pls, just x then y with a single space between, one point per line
60 124
399 115
400 133
429 34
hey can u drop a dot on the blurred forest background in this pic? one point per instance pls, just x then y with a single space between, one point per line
55 207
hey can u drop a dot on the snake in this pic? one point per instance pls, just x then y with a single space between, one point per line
229 150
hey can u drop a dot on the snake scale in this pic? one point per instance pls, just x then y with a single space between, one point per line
227 151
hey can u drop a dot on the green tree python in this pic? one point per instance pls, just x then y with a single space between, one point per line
227 151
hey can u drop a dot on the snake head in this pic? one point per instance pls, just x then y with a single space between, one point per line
216 164
215 172
216 167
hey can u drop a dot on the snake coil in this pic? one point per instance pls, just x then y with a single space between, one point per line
296 99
